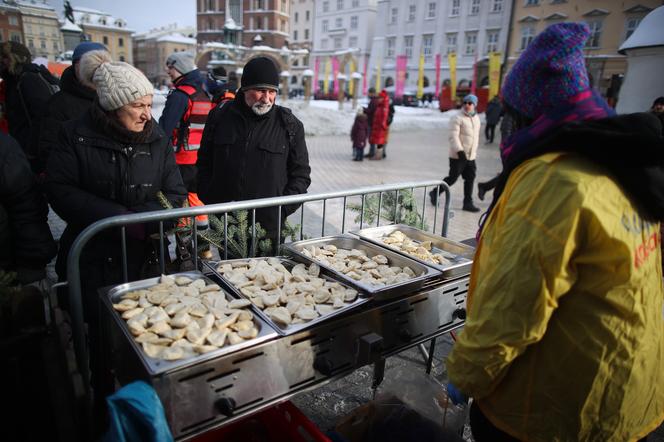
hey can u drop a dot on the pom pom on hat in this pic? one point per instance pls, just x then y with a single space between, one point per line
549 72
117 83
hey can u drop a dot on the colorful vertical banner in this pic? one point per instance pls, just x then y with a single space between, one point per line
420 78
473 86
326 76
402 65
437 75
335 72
378 88
316 69
494 73
364 75
452 61
351 82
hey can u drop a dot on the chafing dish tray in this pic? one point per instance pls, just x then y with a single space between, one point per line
155 366
460 256
324 309
421 273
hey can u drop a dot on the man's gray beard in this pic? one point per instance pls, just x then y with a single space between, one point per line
261 109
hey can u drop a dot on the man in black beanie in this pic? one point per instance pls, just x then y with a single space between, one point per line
252 148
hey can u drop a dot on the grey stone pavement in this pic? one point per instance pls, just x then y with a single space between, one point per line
411 156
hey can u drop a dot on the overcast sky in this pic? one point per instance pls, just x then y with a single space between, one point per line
141 15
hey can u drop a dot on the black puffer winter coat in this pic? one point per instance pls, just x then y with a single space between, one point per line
26 243
70 103
91 176
244 156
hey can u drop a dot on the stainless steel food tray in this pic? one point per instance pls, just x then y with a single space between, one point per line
424 274
460 255
289 264
158 366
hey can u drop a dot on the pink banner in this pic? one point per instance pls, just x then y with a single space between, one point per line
316 69
437 75
335 72
402 64
473 86
364 75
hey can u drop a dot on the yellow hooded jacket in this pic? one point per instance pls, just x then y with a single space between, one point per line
564 339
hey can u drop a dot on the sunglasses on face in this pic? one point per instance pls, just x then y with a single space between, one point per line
468 102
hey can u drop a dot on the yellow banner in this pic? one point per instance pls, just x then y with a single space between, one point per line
378 89
451 60
351 81
326 78
494 73
420 78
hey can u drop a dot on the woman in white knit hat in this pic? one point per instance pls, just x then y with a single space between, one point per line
112 161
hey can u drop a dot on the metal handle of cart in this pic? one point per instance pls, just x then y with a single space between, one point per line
73 260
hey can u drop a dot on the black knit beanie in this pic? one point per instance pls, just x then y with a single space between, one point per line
260 72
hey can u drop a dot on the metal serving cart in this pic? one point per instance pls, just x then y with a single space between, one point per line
208 391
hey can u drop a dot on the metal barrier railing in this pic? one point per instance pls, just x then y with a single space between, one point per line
73 261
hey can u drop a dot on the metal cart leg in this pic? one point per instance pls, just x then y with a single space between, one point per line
378 374
432 347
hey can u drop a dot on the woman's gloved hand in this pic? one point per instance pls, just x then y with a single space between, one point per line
455 395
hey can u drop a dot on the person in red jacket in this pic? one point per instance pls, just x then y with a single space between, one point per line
184 117
379 124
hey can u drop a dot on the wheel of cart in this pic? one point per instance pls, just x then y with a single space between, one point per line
215 389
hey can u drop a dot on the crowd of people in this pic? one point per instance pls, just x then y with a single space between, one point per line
567 277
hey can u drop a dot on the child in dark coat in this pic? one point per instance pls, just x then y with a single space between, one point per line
359 134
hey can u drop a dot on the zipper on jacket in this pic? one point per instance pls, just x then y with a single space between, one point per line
244 160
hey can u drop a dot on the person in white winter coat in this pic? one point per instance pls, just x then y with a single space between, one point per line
464 140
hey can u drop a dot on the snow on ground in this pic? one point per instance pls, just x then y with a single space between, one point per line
323 117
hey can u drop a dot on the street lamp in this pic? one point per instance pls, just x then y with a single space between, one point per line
307 75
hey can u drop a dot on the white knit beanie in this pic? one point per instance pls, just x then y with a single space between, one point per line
117 83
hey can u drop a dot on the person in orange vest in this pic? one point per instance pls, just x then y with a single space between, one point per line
184 118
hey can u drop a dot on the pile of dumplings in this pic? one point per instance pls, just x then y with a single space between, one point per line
180 317
374 271
287 297
421 251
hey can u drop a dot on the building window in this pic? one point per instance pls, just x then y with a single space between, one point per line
306 34
13 20
557 2
297 15
389 48
42 44
323 43
408 46
326 25
471 43
283 25
210 5
531 2
326 6
355 3
631 25
295 35
527 35
427 46
454 8
16 38
352 41
353 22
595 34
31 43
451 44
497 6
340 4
56 46
122 58
337 42
265 24
394 14
121 42
105 40
475 7
431 11
259 4
492 41
411 12
251 23
308 15
284 6
338 22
